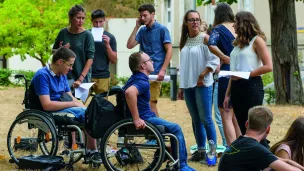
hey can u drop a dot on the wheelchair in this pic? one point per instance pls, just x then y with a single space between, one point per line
122 147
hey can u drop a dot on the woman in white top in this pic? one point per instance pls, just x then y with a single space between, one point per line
196 67
250 54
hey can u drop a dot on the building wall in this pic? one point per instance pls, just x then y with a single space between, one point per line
29 63
122 28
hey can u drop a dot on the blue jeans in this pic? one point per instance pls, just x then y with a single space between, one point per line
217 114
176 130
78 112
199 103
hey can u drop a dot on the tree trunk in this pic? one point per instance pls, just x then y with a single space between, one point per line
284 47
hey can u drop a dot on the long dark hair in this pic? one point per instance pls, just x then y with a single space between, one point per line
295 140
246 27
223 13
185 31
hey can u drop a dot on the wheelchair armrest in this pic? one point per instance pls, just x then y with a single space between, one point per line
114 90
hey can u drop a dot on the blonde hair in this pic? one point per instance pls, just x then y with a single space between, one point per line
259 118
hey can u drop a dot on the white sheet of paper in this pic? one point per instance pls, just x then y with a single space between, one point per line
154 77
240 74
82 92
97 33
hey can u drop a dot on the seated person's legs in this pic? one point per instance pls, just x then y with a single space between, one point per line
177 131
79 113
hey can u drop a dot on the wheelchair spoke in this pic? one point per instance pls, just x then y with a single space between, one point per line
134 152
30 135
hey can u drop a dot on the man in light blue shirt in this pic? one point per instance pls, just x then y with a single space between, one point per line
154 40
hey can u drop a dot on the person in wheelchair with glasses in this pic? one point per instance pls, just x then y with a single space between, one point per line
138 95
51 86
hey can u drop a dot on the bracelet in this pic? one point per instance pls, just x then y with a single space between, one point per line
82 75
79 80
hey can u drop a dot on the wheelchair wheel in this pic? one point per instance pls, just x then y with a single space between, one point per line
125 148
31 134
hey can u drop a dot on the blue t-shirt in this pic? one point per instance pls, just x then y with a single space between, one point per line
222 38
141 82
47 83
152 42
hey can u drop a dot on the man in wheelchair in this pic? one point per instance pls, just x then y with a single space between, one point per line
51 86
138 95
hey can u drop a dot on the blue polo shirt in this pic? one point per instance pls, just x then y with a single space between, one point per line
141 82
47 83
152 42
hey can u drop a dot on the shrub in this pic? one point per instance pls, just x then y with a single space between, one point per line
4 77
115 80
270 96
267 78
122 80
27 73
165 90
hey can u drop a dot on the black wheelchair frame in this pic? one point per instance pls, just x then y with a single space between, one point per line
48 137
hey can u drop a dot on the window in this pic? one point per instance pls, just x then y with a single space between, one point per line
246 5
169 15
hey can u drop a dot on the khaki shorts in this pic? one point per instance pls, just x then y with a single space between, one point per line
101 85
155 87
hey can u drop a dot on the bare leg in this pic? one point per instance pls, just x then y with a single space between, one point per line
229 126
153 105
73 134
91 142
236 127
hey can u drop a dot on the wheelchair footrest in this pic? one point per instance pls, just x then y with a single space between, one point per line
41 162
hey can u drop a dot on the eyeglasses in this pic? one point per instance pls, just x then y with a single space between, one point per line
148 60
192 20
69 65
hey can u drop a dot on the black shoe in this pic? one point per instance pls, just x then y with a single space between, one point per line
198 156
95 158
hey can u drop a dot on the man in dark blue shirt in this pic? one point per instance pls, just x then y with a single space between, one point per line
138 95
154 40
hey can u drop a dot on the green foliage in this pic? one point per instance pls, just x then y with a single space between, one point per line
267 78
117 8
28 75
296 73
269 92
199 2
115 80
29 27
165 90
4 77
270 96
122 80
